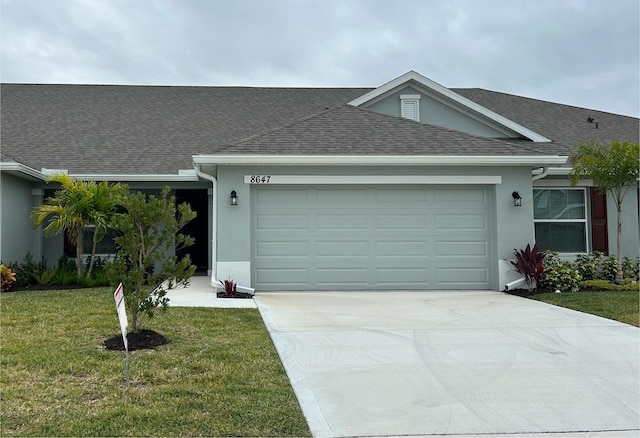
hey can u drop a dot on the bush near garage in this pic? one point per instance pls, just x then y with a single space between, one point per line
559 274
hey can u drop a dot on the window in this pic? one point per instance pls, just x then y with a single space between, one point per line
410 106
107 246
560 218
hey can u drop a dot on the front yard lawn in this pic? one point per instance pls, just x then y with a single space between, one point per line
621 306
219 376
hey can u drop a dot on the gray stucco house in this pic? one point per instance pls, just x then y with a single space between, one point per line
406 186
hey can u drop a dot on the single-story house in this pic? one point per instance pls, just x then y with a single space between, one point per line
410 185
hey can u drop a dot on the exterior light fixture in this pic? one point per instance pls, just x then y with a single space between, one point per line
233 199
517 199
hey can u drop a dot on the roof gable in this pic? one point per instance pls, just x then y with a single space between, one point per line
451 99
350 131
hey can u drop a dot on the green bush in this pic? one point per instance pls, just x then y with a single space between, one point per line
608 268
559 274
598 285
44 277
631 268
587 265
25 270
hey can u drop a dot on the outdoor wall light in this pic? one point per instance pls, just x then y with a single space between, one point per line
233 199
517 199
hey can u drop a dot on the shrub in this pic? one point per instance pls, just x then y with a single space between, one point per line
44 276
8 277
230 287
64 277
598 285
529 263
587 265
25 270
608 268
559 274
631 268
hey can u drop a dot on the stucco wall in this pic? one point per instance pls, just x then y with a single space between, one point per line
435 113
17 237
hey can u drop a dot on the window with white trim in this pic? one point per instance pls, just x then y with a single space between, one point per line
560 218
410 106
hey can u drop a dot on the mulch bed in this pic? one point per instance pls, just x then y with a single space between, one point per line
241 295
45 287
142 340
526 293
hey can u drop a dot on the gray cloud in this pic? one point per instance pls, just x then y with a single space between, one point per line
579 52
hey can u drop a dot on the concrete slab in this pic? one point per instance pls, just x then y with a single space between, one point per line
454 363
200 293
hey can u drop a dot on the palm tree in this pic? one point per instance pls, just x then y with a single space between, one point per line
75 206
614 170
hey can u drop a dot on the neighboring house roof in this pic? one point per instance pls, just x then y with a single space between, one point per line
566 125
143 129
155 130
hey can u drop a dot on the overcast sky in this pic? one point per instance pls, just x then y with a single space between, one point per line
578 52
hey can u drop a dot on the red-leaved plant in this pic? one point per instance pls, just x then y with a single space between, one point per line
230 287
529 263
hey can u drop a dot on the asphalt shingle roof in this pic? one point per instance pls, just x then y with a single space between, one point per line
348 130
566 125
144 129
155 130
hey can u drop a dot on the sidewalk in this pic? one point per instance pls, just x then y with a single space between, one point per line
200 293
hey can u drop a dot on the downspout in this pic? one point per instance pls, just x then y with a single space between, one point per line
545 172
214 232
214 221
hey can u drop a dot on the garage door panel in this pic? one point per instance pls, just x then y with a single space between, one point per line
296 277
461 277
401 237
338 277
401 249
462 195
461 248
282 222
401 222
342 249
460 221
338 222
403 278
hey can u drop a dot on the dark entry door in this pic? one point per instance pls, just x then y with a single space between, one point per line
197 228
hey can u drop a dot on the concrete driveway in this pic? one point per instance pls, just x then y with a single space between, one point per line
454 363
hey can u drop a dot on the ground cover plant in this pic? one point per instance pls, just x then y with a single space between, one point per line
218 376
617 305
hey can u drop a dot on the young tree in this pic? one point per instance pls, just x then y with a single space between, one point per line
614 170
149 235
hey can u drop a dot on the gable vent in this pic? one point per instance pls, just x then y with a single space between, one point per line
410 106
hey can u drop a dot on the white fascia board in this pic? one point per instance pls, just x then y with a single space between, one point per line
381 160
428 83
135 177
14 167
372 179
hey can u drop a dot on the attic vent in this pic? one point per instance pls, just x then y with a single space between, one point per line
410 106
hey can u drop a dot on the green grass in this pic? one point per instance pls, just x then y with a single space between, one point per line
219 376
621 306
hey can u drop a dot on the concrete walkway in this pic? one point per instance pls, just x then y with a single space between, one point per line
454 363
200 293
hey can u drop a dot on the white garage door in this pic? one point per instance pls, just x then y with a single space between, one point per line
360 237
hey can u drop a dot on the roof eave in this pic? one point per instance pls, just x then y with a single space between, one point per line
381 160
22 171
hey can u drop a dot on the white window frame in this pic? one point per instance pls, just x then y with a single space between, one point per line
585 220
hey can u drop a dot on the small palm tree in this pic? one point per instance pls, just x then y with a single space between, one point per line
614 170
76 205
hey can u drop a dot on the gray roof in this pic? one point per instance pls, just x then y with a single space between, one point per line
566 125
112 129
144 129
348 130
